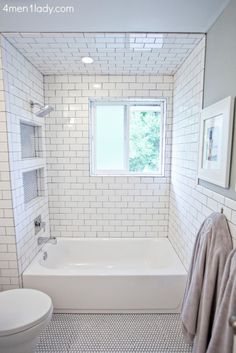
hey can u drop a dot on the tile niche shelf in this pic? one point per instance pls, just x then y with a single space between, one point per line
33 184
31 140
32 163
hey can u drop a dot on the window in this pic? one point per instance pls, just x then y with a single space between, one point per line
127 138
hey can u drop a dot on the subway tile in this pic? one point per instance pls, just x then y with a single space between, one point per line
23 83
106 191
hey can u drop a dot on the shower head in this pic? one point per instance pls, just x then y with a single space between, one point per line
43 109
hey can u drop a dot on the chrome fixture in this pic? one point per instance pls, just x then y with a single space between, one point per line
44 240
38 225
43 109
232 323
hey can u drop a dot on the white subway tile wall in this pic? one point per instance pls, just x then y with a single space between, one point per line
100 206
190 203
9 277
23 83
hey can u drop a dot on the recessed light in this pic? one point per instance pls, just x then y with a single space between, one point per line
97 85
87 60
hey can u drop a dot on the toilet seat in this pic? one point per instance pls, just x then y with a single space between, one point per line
21 309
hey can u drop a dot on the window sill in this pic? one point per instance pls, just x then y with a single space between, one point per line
148 175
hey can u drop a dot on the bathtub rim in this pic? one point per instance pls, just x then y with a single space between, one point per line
34 267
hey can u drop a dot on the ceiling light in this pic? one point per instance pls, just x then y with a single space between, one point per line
97 85
87 60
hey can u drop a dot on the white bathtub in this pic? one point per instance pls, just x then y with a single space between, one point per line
109 275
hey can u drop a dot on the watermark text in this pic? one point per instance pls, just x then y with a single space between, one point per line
37 9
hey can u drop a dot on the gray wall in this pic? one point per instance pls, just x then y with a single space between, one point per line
113 16
220 76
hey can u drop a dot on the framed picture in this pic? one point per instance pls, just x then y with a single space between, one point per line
215 142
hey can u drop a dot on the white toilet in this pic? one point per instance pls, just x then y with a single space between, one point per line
24 314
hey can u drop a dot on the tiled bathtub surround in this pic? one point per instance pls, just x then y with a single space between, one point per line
113 53
190 203
22 83
8 257
105 206
88 206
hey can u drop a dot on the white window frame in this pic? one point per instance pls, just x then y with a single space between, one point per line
127 104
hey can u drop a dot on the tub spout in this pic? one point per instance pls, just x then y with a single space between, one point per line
44 240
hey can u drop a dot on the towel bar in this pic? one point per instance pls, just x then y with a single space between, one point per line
232 322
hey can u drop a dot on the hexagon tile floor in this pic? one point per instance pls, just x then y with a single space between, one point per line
108 333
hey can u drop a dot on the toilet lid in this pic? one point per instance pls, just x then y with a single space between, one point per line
21 309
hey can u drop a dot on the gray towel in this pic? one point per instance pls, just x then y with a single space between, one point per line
222 334
212 246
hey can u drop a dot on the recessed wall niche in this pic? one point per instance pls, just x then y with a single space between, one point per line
31 137
33 183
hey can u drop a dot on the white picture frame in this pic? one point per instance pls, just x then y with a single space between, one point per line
216 130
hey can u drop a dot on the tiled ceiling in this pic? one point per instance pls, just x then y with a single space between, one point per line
113 53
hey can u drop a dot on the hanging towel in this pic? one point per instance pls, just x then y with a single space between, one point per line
212 246
222 334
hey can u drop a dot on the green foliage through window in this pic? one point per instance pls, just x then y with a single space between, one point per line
144 141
